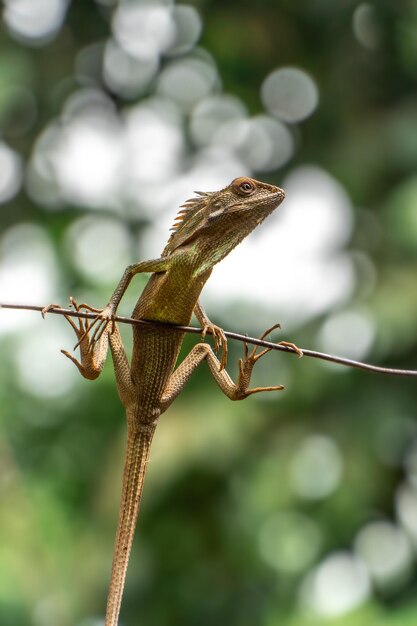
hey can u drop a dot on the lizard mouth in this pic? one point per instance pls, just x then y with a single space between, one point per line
279 193
272 200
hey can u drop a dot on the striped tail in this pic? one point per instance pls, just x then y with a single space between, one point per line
139 439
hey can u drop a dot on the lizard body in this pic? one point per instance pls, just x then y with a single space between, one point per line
207 229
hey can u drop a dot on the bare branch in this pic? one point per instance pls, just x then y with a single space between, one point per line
252 340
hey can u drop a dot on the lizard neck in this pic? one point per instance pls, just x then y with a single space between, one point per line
210 249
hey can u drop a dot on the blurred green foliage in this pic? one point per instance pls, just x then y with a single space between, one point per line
229 532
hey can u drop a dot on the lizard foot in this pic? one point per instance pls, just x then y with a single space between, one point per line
81 328
83 325
220 340
247 363
100 322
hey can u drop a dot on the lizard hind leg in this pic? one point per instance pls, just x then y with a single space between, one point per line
92 357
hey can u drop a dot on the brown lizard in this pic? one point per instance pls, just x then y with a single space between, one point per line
207 228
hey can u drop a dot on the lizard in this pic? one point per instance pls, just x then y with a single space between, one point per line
206 229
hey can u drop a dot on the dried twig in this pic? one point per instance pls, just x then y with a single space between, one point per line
252 340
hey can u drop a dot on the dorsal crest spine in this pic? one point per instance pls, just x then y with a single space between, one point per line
190 216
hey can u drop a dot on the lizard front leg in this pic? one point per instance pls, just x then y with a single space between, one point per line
234 391
106 315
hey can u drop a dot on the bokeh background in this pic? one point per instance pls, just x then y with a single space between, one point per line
298 508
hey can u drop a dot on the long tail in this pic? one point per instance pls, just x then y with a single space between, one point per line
137 453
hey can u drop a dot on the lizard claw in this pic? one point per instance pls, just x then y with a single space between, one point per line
255 355
85 306
47 308
100 322
220 341
296 349
82 328
288 344
72 358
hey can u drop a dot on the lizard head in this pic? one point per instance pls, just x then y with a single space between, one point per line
223 218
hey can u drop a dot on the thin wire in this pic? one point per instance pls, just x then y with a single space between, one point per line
390 371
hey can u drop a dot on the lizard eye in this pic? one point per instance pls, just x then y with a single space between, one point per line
246 187
243 186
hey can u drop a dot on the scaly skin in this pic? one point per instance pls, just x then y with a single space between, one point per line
207 229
